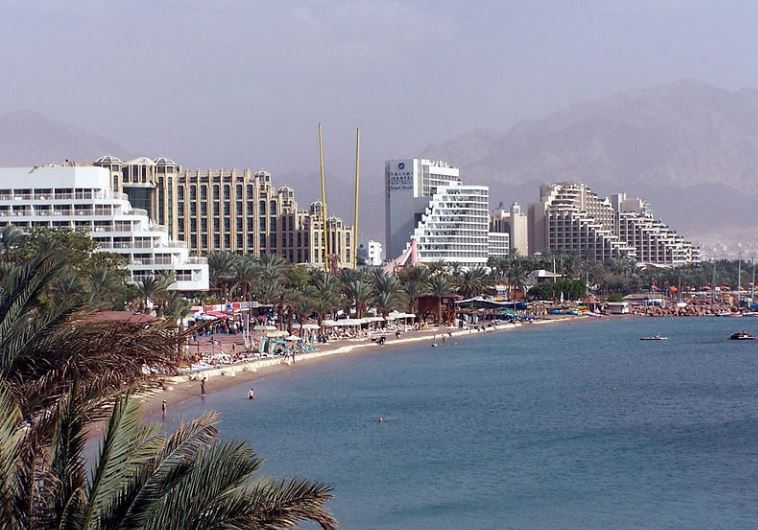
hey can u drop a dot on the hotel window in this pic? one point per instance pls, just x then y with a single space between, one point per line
216 189
262 207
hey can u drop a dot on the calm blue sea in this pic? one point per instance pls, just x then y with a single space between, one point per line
577 425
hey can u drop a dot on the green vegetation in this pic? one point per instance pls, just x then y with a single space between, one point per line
60 372
561 289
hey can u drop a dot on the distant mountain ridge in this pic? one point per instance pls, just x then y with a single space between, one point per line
28 138
688 147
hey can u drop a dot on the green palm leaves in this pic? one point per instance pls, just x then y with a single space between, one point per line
142 479
60 372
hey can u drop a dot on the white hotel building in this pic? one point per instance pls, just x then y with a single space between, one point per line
82 197
571 218
426 201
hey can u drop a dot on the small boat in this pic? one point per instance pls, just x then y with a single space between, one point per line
741 335
654 337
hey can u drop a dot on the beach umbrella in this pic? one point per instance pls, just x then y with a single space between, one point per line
294 337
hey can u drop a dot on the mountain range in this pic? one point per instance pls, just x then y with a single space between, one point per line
691 149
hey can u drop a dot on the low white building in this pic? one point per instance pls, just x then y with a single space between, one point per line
82 197
373 253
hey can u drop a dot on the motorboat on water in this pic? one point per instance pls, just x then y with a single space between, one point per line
654 337
741 335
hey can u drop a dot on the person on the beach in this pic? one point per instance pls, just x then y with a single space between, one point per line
202 387
397 334
251 393
163 409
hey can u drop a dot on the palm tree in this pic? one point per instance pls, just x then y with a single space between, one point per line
10 238
471 283
149 290
414 281
358 294
221 270
300 304
326 293
385 302
44 346
245 276
66 285
102 283
439 286
58 373
272 274
437 267
141 477
175 309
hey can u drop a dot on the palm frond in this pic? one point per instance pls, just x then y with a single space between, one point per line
126 446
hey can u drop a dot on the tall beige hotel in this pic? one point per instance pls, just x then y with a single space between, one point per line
230 210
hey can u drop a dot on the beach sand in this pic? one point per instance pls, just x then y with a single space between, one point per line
187 386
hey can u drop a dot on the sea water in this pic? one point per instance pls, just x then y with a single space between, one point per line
573 425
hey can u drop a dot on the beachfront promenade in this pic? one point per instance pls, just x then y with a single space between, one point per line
185 386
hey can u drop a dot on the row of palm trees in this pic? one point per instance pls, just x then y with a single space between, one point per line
297 291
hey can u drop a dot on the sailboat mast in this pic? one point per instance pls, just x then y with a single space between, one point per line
323 198
354 250
713 282
739 277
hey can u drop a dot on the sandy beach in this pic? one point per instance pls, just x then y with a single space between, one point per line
187 386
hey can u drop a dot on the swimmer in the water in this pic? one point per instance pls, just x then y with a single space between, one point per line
381 419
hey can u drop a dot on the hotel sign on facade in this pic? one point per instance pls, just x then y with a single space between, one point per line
401 175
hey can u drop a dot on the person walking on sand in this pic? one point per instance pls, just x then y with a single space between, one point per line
202 387
163 409
251 393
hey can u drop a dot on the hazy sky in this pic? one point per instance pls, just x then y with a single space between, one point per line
243 83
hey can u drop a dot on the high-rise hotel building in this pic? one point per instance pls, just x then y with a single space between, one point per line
232 210
571 218
83 198
449 221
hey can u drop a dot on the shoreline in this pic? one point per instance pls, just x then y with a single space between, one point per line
181 388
